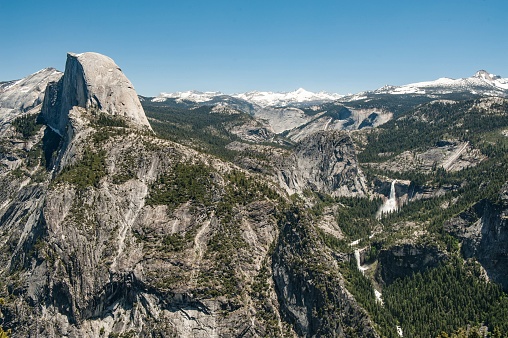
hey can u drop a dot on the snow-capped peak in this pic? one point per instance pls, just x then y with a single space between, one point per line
300 95
190 95
259 98
484 75
481 82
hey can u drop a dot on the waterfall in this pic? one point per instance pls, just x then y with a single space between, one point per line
357 257
390 205
358 264
392 191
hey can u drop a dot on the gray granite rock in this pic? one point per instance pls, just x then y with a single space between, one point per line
92 81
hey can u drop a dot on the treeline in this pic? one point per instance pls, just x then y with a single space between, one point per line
86 172
27 125
197 128
467 187
185 182
425 126
445 299
362 289
356 216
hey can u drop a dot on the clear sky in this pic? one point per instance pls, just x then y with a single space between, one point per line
236 46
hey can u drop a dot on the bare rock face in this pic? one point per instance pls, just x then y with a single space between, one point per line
483 231
17 97
403 260
304 293
325 162
92 81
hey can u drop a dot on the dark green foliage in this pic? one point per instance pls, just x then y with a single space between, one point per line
87 172
27 125
127 167
481 182
223 248
358 216
398 104
362 289
261 295
443 299
497 317
174 242
198 128
333 242
242 190
127 334
35 157
106 120
185 182
226 243
429 124
451 296
17 173
315 282
417 178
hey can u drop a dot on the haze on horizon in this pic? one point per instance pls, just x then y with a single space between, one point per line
231 46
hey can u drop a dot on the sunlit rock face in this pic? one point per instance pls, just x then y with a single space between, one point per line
91 81
25 95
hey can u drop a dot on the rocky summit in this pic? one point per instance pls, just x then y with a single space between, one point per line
169 218
91 81
21 96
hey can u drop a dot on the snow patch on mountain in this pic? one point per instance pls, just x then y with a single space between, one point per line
481 82
25 95
260 98
190 95
271 99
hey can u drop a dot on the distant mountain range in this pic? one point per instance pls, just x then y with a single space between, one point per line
482 83
260 98
297 113
251 215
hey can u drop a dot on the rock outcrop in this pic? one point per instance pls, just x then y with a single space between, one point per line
99 243
324 162
91 81
107 229
312 293
403 260
483 231
25 95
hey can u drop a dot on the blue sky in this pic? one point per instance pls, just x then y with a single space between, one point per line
237 46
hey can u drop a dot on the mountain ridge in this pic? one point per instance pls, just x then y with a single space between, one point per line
482 82
493 85
261 98
214 225
91 80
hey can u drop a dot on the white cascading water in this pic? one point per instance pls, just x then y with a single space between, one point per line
358 264
390 205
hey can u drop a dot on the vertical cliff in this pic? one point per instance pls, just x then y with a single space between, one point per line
91 81
483 231
323 162
311 291
107 229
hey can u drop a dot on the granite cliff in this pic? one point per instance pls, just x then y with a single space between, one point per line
109 230
91 81
25 95
211 225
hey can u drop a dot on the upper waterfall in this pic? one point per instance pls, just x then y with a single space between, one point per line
390 205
